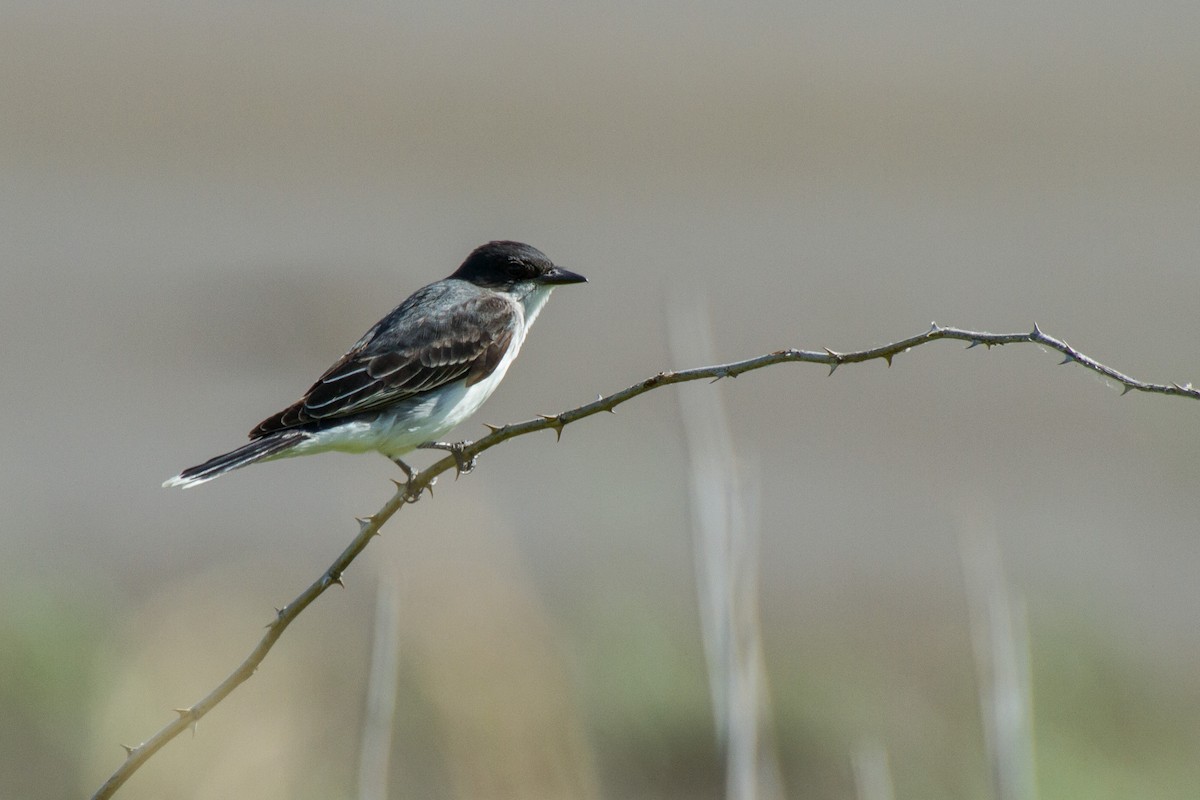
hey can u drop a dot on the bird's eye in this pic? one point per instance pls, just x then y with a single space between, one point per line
519 270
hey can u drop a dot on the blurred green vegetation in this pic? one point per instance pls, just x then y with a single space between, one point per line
49 641
1104 727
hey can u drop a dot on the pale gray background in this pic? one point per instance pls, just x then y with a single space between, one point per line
205 204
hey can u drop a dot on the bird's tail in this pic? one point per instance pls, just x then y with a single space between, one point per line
269 446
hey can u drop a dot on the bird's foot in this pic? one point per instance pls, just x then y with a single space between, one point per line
411 493
462 464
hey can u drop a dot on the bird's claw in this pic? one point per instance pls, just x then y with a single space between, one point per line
462 464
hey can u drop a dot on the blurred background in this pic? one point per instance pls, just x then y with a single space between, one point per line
205 204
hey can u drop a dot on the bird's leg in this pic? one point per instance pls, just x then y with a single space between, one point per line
461 463
408 471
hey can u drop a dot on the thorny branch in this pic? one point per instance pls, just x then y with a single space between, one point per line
411 492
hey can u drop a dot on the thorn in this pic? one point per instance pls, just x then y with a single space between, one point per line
837 360
888 358
335 579
364 523
556 423
1125 389
1066 360
1037 332
128 750
183 713
974 343
723 373
934 328
399 486
492 428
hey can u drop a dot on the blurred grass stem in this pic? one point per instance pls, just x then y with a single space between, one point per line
725 533
381 693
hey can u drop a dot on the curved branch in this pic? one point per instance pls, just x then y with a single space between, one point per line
411 492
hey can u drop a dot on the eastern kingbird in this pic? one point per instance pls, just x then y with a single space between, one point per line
422 369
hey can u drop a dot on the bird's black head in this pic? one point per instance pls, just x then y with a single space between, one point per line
498 265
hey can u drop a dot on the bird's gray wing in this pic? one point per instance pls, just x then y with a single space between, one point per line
442 334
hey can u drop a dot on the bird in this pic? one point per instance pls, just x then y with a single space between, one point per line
418 372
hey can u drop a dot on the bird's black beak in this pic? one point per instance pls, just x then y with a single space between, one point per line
557 275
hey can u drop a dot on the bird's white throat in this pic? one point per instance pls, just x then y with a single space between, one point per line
532 299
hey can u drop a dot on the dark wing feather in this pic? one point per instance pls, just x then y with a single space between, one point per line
445 332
